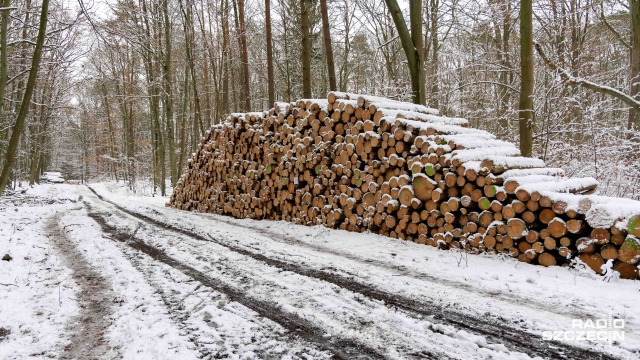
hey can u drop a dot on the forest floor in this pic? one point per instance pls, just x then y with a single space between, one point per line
98 273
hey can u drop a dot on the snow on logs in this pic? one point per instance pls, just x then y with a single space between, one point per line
365 163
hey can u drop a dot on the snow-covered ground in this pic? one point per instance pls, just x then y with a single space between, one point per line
120 276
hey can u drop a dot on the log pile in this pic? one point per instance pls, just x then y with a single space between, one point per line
363 163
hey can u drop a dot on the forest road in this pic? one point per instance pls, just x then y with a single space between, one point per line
88 328
335 313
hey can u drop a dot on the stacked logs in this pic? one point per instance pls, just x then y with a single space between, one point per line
363 163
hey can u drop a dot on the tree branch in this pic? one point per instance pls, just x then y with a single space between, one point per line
614 31
573 81
403 33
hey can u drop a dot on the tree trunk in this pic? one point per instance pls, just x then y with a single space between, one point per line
225 56
502 30
328 48
26 99
435 44
270 78
415 16
526 114
634 66
191 69
158 153
287 65
183 122
306 49
3 53
412 44
345 69
234 73
168 94
112 142
245 55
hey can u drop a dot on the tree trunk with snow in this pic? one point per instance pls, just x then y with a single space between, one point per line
25 104
634 63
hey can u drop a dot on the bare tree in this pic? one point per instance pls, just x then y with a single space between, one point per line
526 112
270 76
26 99
634 65
3 45
245 55
306 49
328 48
412 44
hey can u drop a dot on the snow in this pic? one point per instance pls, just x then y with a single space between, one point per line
514 161
530 179
614 213
471 141
140 327
434 146
385 103
161 312
258 114
52 177
481 153
346 102
322 103
418 116
439 128
37 294
516 173
536 297
403 106
476 141
555 185
474 165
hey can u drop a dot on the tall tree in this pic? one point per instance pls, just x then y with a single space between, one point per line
3 45
151 72
306 49
434 17
634 65
26 99
224 16
168 93
270 76
526 115
501 15
191 67
328 48
412 43
245 55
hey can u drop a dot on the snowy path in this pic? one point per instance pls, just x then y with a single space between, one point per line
188 285
94 298
449 330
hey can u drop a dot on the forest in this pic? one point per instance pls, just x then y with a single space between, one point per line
125 89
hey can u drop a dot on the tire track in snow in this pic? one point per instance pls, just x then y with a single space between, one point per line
514 339
159 277
87 340
399 270
341 348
